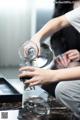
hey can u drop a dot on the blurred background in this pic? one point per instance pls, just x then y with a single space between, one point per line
19 21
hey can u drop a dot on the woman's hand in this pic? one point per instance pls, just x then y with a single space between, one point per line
38 76
73 55
36 39
64 60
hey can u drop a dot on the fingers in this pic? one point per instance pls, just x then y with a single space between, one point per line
28 68
26 74
68 52
72 52
73 55
66 59
38 48
74 58
32 82
62 60
59 61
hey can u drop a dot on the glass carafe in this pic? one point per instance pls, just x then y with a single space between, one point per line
33 99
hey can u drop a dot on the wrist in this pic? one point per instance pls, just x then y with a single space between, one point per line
36 38
60 74
54 76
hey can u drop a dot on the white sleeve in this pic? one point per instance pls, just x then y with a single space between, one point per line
74 18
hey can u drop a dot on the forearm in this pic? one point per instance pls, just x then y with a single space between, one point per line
67 74
51 27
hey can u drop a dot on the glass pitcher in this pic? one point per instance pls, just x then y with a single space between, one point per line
34 98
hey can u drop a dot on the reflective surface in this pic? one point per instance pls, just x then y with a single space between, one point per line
37 105
28 51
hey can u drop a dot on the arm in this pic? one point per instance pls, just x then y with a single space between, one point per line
68 59
51 27
68 73
41 76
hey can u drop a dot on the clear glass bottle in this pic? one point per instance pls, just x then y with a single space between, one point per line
33 100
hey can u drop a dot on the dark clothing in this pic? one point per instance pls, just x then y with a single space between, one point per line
67 38
64 40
